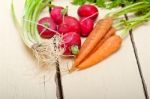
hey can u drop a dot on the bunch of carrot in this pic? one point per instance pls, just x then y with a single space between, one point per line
101 43
103 40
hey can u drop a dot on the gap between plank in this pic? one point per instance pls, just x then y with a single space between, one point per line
59 91
138 62
58 82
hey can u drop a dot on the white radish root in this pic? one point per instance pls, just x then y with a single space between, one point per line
48 52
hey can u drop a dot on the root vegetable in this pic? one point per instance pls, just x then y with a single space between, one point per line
88 10
57 14
49 23
110 46
86 26
109 34
71 43
69 24
92 40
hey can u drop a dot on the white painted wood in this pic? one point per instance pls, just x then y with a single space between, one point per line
142 41
115 78
19 77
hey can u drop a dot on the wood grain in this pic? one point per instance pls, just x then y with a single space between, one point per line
117 77
20 78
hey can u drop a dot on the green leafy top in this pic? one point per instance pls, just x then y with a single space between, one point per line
108 3
65 10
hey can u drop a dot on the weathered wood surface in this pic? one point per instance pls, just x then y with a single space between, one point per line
19 78
124 75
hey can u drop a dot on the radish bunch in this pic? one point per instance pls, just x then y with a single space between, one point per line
69 27
87 14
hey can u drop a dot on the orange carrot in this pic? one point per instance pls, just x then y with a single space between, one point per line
110 46
92 40
109 34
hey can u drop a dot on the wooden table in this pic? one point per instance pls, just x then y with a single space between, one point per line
124 75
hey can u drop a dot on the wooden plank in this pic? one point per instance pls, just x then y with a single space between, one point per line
141 40
20 78
115 78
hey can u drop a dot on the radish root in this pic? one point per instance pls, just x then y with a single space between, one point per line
47 53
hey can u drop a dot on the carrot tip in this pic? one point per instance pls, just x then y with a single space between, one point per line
72 69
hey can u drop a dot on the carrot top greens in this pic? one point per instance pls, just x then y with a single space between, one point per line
108 3
127 25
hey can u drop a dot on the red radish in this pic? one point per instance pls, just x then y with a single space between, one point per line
88 11
48 23
69 24
57 14
86 26
71 43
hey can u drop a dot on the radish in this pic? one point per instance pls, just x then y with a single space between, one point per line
48 23
71 43
88 11
57 14
86 26
69 24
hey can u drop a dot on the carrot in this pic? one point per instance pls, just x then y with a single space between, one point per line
110 46
109 34
92 40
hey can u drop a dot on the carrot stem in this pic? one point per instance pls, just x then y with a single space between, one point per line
132 23
129 9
